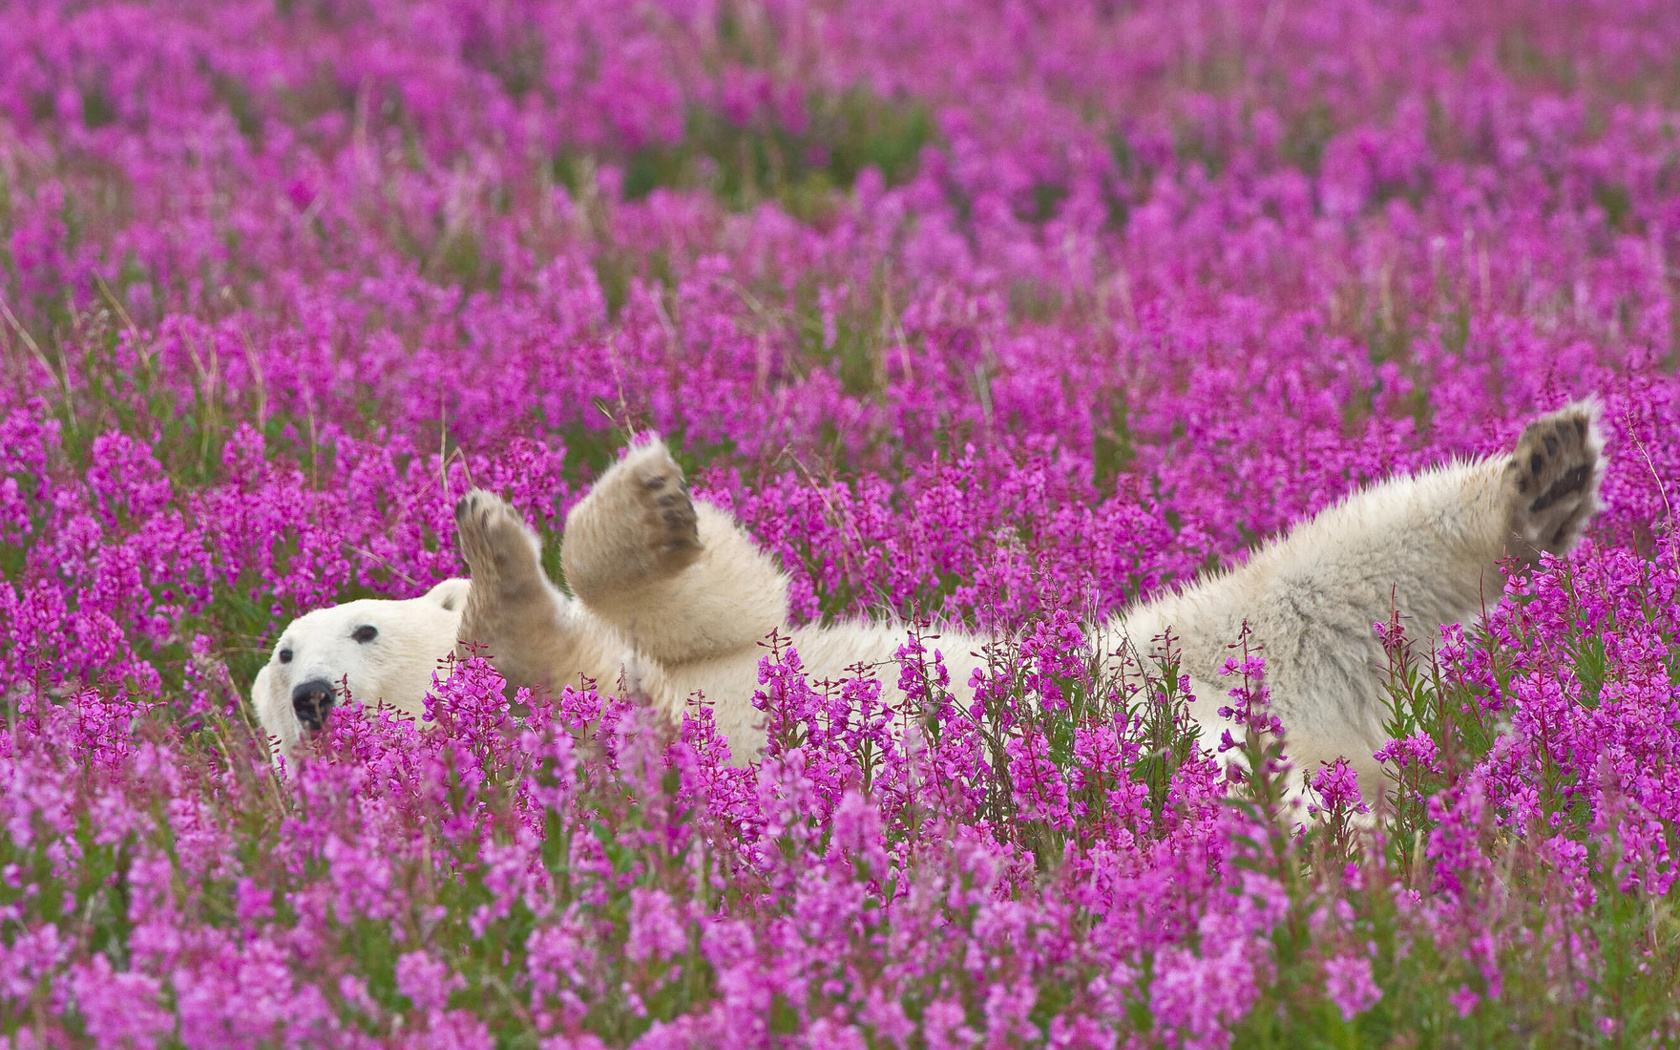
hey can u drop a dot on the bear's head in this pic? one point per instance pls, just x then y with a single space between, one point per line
377 651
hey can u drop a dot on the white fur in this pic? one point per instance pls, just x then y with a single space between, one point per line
394 668
1427 545
673 600
674 625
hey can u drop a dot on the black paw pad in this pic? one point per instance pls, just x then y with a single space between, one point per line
1573 481
470 504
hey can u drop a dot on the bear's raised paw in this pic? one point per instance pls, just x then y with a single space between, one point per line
502 553
638 525
671 528
1553 479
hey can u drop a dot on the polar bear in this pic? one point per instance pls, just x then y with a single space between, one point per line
673 597
379 651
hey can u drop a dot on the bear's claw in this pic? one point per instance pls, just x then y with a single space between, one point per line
501 551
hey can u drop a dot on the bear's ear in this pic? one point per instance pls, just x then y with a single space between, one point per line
450 595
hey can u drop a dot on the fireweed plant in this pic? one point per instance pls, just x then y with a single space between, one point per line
997 313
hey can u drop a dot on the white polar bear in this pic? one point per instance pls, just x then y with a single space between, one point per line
675 597
380 651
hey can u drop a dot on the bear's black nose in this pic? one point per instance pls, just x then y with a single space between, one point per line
312 700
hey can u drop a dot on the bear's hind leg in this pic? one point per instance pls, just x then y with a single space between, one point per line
680 581
1552 481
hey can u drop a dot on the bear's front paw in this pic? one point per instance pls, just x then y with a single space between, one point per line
670 529
1554 474
500 550
638 523
636 527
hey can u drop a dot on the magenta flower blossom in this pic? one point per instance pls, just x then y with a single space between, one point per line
1348 984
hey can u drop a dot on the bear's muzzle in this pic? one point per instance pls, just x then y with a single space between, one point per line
313 700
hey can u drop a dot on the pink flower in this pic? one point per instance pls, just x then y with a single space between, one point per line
1041 792
1348 983
1463 999
118 1009
426 981
1337 788
657 930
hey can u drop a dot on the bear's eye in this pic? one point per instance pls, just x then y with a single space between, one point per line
366 633
285 656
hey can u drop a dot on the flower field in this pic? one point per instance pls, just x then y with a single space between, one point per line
995 312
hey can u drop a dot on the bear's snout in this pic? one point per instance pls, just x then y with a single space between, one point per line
312 700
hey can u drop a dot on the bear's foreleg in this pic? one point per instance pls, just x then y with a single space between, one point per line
680 581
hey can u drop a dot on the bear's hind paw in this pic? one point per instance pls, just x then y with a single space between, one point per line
1554 474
